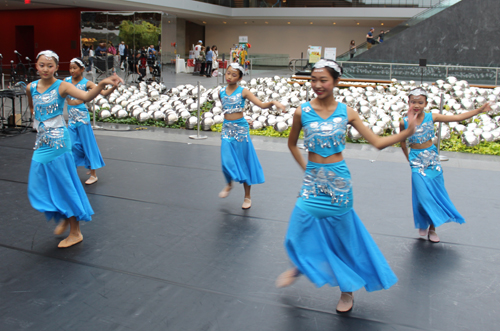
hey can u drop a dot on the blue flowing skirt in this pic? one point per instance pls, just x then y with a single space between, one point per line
239 160
85 149
334 249
54 187
431 203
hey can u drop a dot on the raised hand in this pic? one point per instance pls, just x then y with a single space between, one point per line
114 80
412 120
485 108
280 106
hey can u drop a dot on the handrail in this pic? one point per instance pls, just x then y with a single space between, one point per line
407 64
416 64
391 65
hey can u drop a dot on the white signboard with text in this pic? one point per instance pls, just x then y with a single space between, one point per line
330 53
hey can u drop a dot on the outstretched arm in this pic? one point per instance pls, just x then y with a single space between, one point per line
457 118
294 137
376 141
249 95
69 89
91 85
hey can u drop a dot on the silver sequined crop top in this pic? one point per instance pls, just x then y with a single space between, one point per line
324 136
48 104
423 132
234 103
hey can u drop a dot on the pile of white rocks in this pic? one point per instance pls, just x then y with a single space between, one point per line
381 107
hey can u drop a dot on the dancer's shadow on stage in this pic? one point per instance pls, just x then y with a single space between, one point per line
235 229
428 277
300 318
425 274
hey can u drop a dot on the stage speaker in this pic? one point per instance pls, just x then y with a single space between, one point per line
422 63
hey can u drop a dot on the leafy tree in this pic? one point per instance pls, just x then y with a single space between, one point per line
140 34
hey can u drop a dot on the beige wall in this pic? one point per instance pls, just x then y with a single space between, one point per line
291 40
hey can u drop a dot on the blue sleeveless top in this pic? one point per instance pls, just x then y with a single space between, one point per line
48 104
324 136
234 103
79 113
81 85
423 132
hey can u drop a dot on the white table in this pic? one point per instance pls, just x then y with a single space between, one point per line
180 65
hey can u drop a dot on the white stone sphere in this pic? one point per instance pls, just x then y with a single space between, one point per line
122 113
280 126
171 118
105 114
470 139
143 117
206 123
377 130
137 111
158 115
218 119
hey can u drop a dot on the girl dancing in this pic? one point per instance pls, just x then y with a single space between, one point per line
432 206
239 160
326 240
53 186
85 149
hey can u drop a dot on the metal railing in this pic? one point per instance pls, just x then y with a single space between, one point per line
322 3
406 71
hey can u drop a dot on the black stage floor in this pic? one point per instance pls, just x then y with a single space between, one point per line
163 252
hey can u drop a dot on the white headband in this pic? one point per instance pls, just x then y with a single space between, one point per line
327 63
418 91
75 60
236 66
49 55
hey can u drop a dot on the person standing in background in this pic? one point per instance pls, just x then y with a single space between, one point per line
85 54
111 48
121 51
151 53
352 48
91 58
209 62
197 49
369 38
215 60
201 60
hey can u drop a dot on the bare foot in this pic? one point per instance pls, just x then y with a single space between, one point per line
225 191
287 278
70 241
247 203
61 227
345 303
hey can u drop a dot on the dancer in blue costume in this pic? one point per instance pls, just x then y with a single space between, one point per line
326 240
85 149
238 157
432 206
53 185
